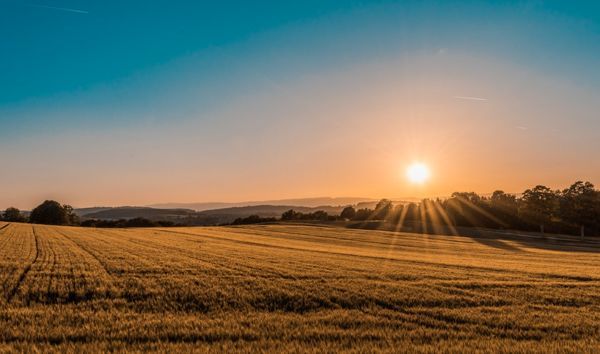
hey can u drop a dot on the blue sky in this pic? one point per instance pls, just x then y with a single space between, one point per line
164 76
49 52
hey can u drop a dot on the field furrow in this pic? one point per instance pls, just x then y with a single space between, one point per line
23 253
288 287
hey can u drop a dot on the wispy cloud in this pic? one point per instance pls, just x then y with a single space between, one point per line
67 9
470 98
521 127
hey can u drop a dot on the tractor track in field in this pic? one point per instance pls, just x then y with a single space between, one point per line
23 275
86 250
52 269
6 237
6 280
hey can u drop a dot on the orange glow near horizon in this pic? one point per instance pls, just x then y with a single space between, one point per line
336 141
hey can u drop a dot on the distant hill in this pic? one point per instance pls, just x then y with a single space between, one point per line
227 215
268 210
301 202
135 212
191 217
84 211
223 213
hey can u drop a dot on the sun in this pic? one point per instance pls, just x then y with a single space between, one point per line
418 173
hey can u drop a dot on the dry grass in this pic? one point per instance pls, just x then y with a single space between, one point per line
292 288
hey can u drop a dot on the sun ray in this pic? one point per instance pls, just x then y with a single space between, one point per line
481 211
446 218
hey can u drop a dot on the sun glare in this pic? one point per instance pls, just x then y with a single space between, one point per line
417 173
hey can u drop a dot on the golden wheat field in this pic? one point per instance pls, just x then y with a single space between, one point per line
292 288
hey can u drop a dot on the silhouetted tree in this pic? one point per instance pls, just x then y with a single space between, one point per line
465 209
13 215
505 207
140 222
252 219
470 197
348 213
50 212
319 215
539 205
580 205
71 216
382 209
504 202
395 216
411 213
363 214
289 215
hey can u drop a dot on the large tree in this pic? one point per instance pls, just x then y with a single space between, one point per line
580 205
52 212
504 202
382 209
466 209
13 215
348 213
538 205
505 207
289 215
73 218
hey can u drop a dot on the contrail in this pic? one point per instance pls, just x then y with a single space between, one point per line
60 8
471 98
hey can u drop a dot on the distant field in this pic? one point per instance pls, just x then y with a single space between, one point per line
292 288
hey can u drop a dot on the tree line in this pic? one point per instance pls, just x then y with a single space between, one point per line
573 210
51 212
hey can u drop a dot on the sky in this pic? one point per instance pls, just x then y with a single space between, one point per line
136 102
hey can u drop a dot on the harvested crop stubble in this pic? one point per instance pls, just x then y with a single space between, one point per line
290 287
